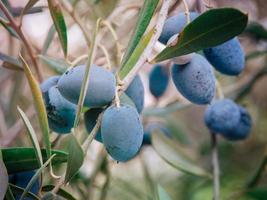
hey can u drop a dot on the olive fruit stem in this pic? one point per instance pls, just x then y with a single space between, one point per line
148 50
216 168
28 46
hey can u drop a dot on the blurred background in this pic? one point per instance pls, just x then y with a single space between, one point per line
102 178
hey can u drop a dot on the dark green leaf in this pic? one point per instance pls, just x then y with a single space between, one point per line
18 190
208 30
59 22
35 178
3 178
56 64
20 159
61 192
257 193
256 30
168 151
144 18
75 158
9 194
49 38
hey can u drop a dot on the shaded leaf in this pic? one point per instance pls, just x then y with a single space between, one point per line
61 192
49 38
3 178
257 193
28 6
20 159
10 62
256 30
9 194
39 105
168 151
57 65
75 158
35 177
144 18
33 137
135 54
59 22
18 190
206 31
163 195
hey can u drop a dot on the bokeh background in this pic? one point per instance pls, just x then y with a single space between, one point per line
131 180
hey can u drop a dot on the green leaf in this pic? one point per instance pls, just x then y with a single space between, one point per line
163 195
4 23
256 30
39 105
18 190
212 28
28 6
59 22
20 159
103 8
61 192
135 55
49 38
144 18
33 137
35 177
3 178
57 65
168 151
10 62
257 193
9 194
75 158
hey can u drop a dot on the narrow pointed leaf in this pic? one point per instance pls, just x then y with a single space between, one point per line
169 152
20 159
208 30
59 22
18 190
39 105
33 137
35 177
136 54
10 62
75 158
61 192
3 178
163 195
144 18
49 39
57 65
28 6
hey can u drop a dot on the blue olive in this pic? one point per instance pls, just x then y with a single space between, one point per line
195 80
122 132
228 58
101 87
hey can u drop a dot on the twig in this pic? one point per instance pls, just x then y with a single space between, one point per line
216 168
27 45
147 52
105 52
69 9
186 11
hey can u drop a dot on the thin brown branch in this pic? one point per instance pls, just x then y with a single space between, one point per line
26 43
